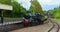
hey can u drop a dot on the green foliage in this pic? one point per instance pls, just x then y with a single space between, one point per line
35 6
57 13
31 9
5 2
18 10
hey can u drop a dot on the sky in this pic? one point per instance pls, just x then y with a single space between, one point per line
46 4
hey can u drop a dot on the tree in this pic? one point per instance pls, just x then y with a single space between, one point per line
18 10
31 9
6 2
57 12
35 6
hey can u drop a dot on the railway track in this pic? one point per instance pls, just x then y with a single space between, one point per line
55 25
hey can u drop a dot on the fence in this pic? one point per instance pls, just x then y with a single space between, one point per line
11 20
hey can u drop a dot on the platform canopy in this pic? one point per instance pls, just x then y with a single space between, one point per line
6 7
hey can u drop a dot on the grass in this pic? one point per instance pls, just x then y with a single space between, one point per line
56 19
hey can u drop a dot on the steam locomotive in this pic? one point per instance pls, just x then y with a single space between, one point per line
33 19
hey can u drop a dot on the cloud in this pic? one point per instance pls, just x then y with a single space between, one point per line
25 3
49 4
46 4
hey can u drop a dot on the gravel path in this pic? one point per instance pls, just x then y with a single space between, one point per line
39 28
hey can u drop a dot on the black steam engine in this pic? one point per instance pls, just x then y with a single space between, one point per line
36 19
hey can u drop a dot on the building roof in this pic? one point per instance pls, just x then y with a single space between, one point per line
6 7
